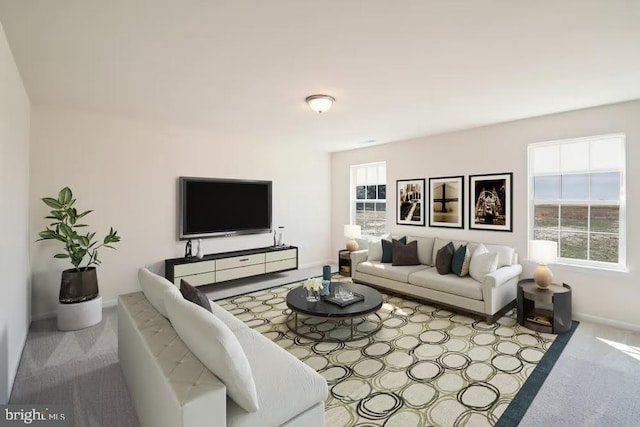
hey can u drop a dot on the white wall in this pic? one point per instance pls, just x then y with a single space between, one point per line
127 171
609 296
14 205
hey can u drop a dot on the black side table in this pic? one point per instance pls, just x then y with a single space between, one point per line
344 262
556 320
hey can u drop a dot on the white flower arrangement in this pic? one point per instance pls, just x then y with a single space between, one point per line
312 284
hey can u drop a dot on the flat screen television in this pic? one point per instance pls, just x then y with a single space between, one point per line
212 207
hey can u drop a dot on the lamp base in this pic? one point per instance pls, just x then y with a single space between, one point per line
352 245
543 276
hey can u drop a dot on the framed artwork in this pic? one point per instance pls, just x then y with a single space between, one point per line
446 202
410 202
491 202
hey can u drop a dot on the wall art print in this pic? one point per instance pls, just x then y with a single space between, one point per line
410 202
446 202
491 202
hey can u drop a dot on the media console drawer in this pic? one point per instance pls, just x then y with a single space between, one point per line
194 268
239 261
223 267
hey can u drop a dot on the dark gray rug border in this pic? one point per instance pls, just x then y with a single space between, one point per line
520 404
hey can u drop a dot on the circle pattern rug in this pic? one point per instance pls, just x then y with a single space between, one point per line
426 366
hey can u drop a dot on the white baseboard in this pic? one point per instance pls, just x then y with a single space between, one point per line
52 314
604 321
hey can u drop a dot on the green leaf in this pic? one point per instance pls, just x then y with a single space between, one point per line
109 246
84 240
64 196
84 213
61 256
52 203
47 234
66 230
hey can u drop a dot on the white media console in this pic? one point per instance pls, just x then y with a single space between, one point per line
222 267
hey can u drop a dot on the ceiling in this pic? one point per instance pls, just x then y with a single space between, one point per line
398 69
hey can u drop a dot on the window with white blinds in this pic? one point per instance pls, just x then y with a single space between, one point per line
369 197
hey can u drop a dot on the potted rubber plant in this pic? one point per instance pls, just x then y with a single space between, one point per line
79 283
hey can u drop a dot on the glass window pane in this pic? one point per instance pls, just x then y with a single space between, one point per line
574 157
605 186
573 245
605 218
546 216
546 234
575 187
369 206
573 218
382 192
607 154
546 187
371 192
359 207
546 159
381 207
604 247
360 192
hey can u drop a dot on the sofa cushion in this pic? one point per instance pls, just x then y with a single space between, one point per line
399 273
405 254
439 243
387 248
286 387
458 260
193 294
217 348
227 318
155 288
444 258
482 263
506 254
449 283
425 248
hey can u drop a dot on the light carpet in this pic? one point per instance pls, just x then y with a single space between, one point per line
426 366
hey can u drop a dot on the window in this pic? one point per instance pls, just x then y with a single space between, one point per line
577 199
369 197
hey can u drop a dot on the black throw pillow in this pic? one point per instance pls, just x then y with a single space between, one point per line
387 249
191 293
405 254
444 258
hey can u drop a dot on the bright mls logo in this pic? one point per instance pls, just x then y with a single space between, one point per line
35 415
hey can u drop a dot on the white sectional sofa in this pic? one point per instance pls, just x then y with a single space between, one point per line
491 297
171 387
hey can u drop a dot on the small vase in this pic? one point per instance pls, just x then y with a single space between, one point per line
313 296
326 288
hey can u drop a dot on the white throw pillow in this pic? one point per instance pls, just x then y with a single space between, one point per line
155 288
465 264
217 348
375 251
482 263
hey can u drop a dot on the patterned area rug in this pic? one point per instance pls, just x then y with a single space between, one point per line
425 367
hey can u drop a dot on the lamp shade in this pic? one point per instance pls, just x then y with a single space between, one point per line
543 251
352 231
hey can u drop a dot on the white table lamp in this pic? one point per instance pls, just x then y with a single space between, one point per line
352 232
543 252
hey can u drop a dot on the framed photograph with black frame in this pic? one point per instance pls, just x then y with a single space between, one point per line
410 201
491 202
446 202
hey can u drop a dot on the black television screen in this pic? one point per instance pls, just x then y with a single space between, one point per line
211 207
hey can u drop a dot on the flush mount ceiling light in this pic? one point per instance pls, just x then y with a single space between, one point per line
320 103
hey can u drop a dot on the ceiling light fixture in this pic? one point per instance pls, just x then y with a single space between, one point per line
320 103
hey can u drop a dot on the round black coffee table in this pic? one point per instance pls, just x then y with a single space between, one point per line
297 302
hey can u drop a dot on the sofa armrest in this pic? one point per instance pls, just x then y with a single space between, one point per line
358 257
502 275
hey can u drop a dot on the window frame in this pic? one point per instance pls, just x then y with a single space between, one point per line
621 265
353 201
